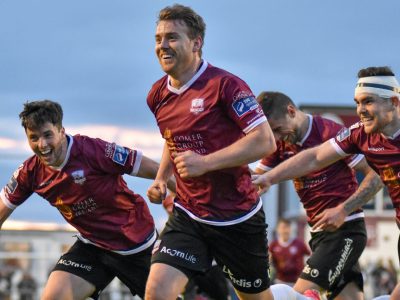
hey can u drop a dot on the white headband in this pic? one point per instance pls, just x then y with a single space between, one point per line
383 86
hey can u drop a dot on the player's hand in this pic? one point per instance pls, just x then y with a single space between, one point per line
262 182
189 164
157 191
330 219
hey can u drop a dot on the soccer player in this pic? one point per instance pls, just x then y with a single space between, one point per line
295 131
82 178
212 126
377 136
287 254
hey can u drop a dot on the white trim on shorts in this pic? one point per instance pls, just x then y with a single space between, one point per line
247 216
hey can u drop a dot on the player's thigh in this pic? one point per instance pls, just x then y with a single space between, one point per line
65 286
165 282
350 292
241 251
303 285
264 295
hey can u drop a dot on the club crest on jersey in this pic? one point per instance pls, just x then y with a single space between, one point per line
244 105
120 155
197 106
79 176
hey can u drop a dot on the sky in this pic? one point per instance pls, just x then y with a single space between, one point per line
96 58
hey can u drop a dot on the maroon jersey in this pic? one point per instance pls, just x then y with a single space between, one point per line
90 193
381 152
288 258
325 188
212 111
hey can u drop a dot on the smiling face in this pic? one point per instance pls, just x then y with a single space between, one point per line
285 129
176 52
49 143
375 113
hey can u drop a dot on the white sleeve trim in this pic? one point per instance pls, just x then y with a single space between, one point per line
255 124
263 167
354 162
337 148
138 161
6 201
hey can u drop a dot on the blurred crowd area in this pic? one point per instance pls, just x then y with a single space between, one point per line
18 282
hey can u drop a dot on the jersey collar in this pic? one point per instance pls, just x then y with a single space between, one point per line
310 120
187 85
70 142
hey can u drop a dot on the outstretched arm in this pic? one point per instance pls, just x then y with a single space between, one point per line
5 212
303 163
149 168
331 219
256 144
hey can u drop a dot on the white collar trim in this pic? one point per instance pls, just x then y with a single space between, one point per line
310 120
71 141
187 85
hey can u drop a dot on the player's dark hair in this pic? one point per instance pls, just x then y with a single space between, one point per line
283 220
193 21
274 104
37 113
375 71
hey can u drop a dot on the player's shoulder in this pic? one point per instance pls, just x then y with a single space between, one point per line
346 132
154 95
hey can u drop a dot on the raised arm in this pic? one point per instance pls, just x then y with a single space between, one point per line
332 218
256 144
303 163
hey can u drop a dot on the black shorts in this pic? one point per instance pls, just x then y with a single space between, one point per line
334 259
240 249
99 267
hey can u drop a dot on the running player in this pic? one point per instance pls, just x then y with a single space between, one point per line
212 126
377 136
82 178
295 131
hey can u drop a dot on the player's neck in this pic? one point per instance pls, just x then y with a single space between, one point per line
179 80
392 128
304 122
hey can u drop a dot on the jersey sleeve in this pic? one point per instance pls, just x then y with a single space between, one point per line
333 130
344 142
17 190
269 162
241 104
112 158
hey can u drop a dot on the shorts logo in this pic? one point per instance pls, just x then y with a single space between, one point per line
79 176
120 155
70 263
346 251
197 106
176 253
244 105
242 282
257 283
312 272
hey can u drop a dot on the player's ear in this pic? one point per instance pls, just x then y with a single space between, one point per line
198 43
395 101
291 111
